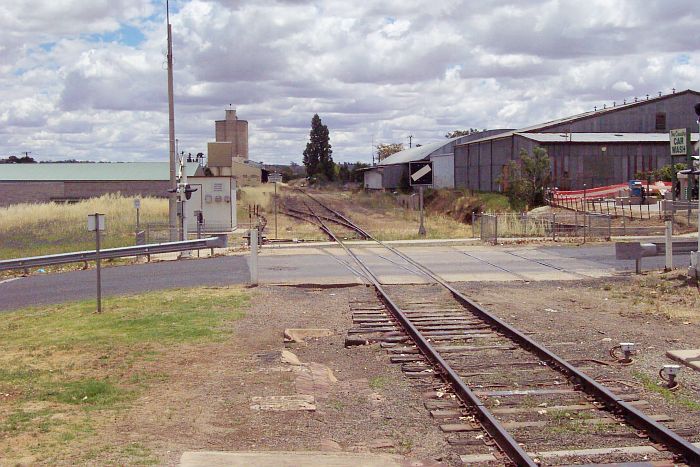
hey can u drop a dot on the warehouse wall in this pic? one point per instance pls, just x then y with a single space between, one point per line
44 192
676 110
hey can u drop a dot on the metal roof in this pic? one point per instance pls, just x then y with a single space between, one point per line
601 111
600 137
413 154
107 171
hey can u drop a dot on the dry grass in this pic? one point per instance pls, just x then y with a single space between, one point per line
379 214
671 295
39 229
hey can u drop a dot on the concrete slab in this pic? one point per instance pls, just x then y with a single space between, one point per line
690 358
300 335
283 403
289 459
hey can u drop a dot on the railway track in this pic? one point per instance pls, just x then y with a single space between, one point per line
500 397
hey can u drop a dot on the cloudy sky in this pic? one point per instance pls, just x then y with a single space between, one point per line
87 79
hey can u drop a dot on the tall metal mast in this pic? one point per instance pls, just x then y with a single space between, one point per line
172 202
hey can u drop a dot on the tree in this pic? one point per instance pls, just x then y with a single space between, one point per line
528 178
386 150
355 174
344 172
456 133
26 159
318 158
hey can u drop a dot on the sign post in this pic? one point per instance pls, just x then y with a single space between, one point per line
680 147
421 175
137 206
96 223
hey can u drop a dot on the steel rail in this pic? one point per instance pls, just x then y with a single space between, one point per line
655 430
493 427
335 221
110 253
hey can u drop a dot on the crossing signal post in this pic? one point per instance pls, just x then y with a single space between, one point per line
183 192
421 175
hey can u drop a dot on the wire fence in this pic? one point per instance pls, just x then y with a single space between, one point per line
490 227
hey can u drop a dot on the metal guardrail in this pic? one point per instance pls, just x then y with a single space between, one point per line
90 255
638 250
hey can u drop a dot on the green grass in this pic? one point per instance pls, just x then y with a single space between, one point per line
494 202
66 366
378 382
679 398
155 317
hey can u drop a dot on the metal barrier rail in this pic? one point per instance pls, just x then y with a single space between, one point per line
637 250
90 255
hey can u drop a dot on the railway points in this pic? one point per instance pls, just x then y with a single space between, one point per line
430 329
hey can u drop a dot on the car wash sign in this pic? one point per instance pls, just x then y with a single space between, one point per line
680 142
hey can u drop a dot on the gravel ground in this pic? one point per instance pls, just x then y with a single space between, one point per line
598 314
204 401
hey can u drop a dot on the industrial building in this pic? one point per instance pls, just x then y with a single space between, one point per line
228 155
65 182
389 172
606 146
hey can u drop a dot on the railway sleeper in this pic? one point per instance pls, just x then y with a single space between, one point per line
623 453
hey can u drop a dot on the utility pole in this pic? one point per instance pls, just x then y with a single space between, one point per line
172 201
410 141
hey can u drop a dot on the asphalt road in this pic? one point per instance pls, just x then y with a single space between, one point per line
42 289
453 263
313 265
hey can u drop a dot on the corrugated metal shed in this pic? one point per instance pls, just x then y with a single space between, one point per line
413 154
600 137
113 171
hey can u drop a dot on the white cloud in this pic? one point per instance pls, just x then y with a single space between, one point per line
89 81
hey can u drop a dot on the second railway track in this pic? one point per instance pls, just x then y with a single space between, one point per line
501 397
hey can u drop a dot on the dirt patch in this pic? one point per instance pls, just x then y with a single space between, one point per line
363 404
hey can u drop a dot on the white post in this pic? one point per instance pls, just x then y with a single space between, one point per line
669 246
275 210
253 256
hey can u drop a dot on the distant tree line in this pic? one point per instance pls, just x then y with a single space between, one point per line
26 159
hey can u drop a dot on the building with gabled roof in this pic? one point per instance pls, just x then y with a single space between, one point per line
388 172
603 147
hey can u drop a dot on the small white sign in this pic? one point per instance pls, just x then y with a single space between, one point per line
274 178
679 142
96 222
422 171
137 203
